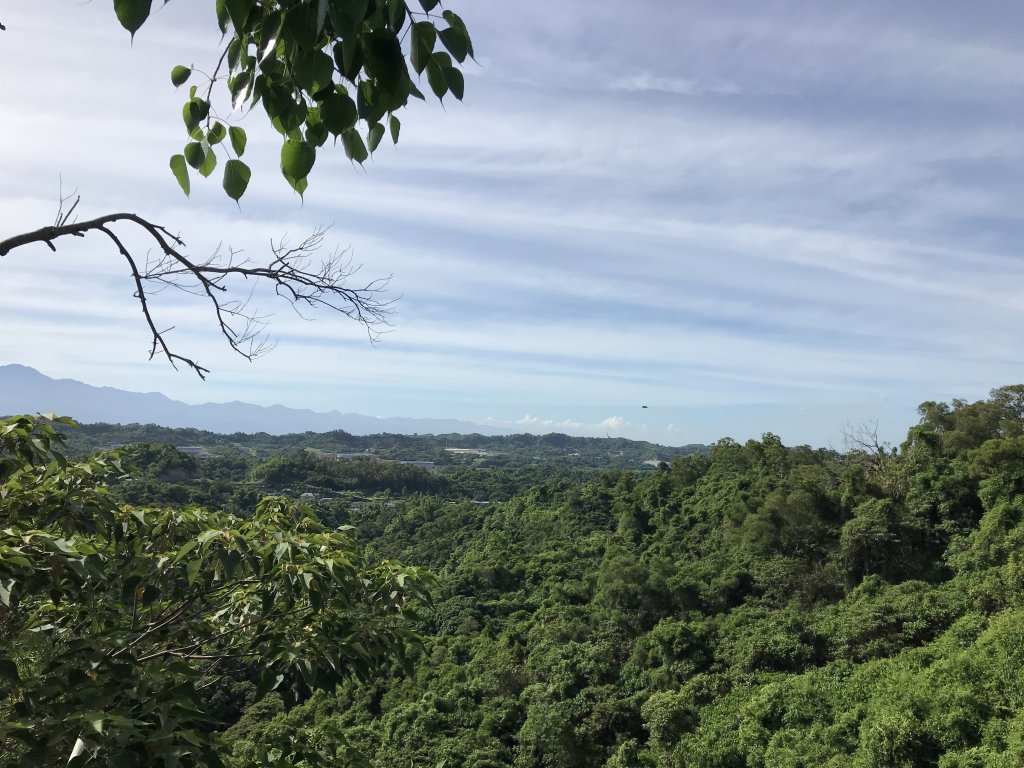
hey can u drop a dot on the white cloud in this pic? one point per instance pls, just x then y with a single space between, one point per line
818 218
646 81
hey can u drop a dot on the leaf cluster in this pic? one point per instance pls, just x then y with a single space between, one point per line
321 69
116 618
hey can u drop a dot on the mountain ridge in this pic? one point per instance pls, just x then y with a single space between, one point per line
26 390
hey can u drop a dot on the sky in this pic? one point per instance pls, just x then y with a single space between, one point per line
749 217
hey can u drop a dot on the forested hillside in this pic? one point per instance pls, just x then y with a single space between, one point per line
762 606
757 606
448 450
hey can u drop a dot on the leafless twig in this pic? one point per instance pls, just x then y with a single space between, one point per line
297 273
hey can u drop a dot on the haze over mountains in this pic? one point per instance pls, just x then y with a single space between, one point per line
26 390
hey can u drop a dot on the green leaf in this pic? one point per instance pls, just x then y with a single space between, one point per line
456 22
354 147
209 162
238 139
180 74
270 679
367 103
424 36
338 113
297 158
217 133
194 112
455 81
429 5
132 13
347 16
396 126
190 115
374 136
436 78
316 134
187 547
348 55
238 12
194 154
222 15
321 15
384 60
238 85
314 71
180 171
192 570
95 720
456 40
234 53
398 12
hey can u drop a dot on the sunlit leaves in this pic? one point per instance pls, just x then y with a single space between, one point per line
320 68
179 75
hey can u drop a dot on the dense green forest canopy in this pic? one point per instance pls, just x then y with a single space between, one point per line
753 606
496 450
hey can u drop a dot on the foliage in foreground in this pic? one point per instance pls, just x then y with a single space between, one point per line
118 624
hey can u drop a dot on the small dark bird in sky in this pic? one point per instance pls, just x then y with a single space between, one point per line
643 406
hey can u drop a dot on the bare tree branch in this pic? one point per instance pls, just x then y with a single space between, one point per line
863 447
297 275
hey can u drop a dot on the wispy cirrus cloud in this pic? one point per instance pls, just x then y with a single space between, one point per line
786 212
681 86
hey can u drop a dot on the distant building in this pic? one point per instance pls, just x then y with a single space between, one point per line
196 451
657 463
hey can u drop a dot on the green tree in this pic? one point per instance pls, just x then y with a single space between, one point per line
116 621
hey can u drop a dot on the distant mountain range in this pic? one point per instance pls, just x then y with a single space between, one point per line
26 390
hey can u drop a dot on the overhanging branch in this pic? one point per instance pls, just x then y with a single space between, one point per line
304 282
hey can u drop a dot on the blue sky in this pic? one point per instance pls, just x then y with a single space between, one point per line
782 216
